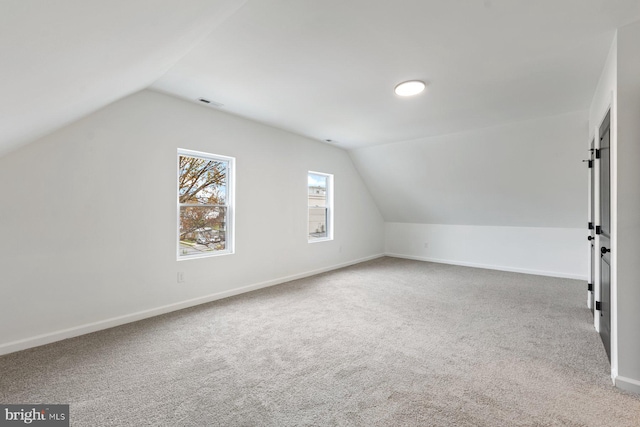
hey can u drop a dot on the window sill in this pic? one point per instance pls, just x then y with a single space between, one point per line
323 239
207 255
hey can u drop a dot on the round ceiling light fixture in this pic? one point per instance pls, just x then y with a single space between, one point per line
410 88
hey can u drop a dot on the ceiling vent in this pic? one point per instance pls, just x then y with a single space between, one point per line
210 103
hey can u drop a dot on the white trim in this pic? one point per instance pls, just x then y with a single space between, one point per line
597 286
611 109
627 384
329 207
322 239
591 254
210 156
613 147
596 222
43 339
230 205
491 267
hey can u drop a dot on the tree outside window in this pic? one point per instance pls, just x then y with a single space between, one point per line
204 204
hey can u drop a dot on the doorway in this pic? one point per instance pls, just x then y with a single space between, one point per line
592 236
604 232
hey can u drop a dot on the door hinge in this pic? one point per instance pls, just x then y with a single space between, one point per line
590 287
598 306
590 226
590 164
598 229
597 153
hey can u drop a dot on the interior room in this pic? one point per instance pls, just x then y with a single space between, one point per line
236 212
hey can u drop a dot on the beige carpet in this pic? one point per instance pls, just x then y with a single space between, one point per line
385 343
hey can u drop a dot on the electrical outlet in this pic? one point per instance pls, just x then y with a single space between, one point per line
180 277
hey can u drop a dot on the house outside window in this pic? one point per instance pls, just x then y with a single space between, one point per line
205 204
320 203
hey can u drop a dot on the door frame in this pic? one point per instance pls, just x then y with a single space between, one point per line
591 229
613 142
603 230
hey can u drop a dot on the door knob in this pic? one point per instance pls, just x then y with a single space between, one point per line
604 250
590 238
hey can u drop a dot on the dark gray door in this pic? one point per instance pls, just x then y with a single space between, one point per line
604 305
592 237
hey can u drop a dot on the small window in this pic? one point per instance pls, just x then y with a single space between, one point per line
205 204
320 196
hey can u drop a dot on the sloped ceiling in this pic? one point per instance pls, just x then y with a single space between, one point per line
525 174
327 69
323 69
61 60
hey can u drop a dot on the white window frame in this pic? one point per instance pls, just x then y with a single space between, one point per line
329 202
230 205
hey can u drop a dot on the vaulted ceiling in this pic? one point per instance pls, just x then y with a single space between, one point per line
61 60
323 69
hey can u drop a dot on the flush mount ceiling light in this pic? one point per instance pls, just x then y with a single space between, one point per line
410 88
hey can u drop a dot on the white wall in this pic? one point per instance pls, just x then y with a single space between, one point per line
606 94
526 174
546 251
628 207
511 197
88 217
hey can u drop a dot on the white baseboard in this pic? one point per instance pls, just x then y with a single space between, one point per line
491 267
48 338
628 384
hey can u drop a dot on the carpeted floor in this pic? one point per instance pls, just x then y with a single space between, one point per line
389 342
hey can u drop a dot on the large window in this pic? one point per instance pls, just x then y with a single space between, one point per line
320 196
205 204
